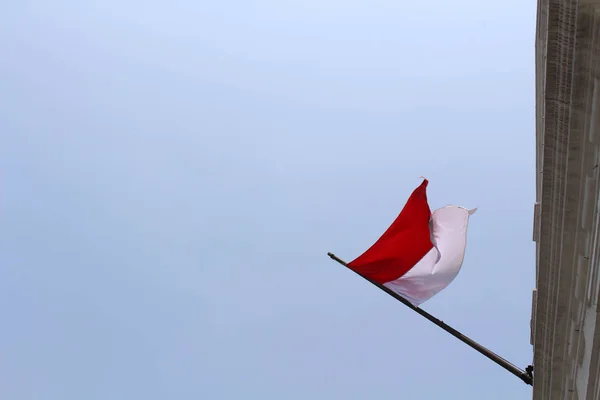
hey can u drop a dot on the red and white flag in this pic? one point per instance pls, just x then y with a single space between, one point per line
421 252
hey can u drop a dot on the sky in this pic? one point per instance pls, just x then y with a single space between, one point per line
172 175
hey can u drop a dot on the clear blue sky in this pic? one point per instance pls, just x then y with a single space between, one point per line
173 174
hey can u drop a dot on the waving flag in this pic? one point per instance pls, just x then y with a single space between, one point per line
418 256
421 252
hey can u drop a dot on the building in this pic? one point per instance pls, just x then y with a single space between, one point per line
565 322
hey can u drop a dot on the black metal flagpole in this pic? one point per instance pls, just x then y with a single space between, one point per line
526 376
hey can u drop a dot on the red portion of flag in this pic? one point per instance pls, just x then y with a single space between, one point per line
402 245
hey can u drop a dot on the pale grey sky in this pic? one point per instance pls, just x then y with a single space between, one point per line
173 174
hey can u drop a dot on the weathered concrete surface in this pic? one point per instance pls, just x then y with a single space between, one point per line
566 229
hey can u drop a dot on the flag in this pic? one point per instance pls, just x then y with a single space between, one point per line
421 253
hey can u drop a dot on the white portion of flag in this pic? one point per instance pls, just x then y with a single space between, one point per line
438 268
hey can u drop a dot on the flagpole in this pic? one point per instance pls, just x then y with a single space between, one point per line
525 376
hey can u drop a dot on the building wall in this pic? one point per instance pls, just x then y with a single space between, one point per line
565 327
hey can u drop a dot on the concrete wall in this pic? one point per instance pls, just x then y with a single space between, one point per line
565 326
